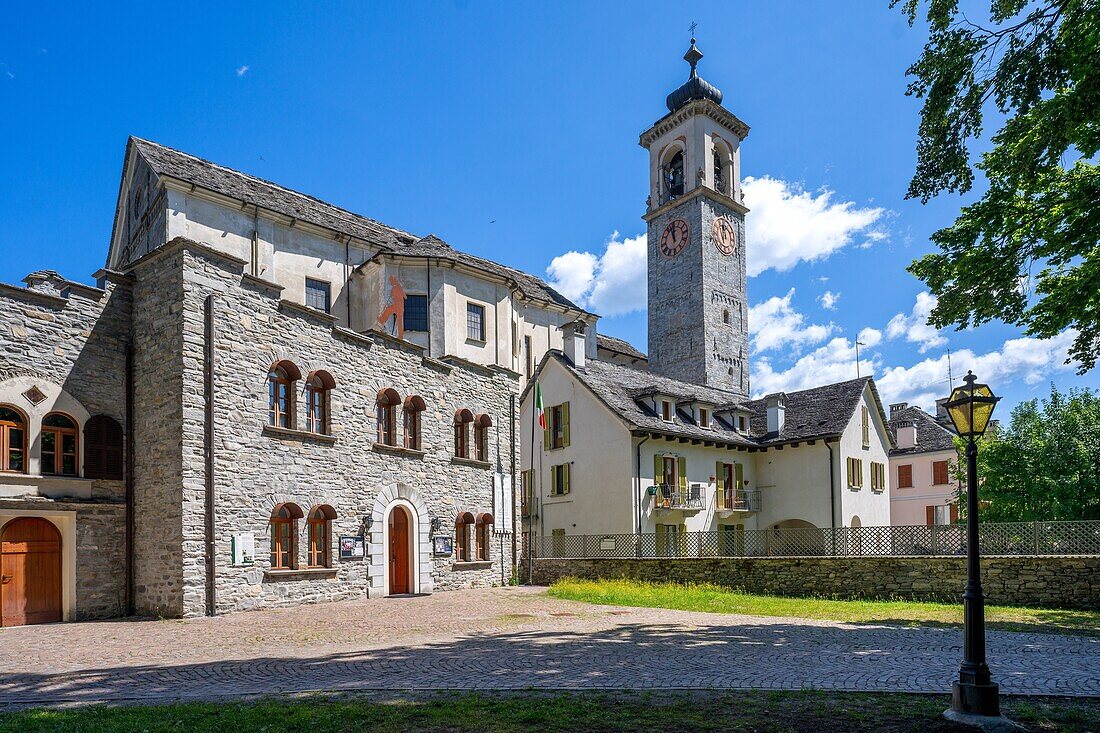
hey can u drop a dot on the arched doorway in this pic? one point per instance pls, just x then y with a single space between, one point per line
30 572
400 549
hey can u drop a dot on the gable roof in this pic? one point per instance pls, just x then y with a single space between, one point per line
815 412
166 161
811 414
931 436
618 345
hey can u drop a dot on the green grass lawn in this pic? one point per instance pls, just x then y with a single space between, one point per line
545 712
716 599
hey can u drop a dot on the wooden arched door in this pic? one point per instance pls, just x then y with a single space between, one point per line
399 551
30 572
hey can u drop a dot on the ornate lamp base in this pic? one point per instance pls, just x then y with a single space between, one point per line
979 706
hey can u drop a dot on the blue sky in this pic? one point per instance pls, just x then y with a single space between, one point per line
511 131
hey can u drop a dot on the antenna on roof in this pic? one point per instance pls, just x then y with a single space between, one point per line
858 344
950 375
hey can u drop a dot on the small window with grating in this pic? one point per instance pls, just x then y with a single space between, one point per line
416 312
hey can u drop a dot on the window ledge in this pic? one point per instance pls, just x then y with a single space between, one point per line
472 462
399 450
854 488
299 574
277 432
17 477
472 565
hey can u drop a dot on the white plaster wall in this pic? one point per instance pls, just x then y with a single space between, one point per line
701 468
872 508
285 255
794 484
599 500
907 506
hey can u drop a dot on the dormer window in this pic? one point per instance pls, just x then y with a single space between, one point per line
742 423
704 417
666 410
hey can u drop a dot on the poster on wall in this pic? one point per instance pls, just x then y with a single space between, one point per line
442 545
244 548
353 547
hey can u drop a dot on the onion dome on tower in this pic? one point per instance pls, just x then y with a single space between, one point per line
696 87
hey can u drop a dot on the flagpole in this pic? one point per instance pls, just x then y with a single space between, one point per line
534 493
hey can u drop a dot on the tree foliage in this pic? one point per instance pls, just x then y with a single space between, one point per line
1028 251
1046 464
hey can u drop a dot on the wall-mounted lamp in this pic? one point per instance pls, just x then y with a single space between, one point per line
368 522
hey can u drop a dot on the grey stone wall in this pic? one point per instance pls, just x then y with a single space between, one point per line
75 336
688 339
255 468
158 419
1059 582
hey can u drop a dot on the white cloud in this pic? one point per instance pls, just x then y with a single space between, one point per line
242 70
612 284
1029 359
789 225
914 327
828 300
869 337
775 324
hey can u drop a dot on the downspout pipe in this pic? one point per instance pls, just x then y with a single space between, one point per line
832 492
208 451
512 471
638 485
131 604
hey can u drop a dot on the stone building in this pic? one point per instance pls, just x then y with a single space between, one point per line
670 443
267 400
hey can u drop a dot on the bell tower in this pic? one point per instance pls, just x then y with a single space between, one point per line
698 314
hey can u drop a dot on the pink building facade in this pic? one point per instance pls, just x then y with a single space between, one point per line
923 487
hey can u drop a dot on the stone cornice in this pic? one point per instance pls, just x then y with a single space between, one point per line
304 310
699 190
716 112
33 296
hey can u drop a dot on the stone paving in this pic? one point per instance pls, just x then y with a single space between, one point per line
507 639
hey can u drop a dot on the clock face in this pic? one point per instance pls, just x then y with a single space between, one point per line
674 238
725 235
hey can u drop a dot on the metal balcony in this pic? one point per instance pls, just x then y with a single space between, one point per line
737 501
670 497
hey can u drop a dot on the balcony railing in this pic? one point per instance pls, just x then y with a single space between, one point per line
669 496
1007 538
737 501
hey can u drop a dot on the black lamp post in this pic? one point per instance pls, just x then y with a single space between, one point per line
970 408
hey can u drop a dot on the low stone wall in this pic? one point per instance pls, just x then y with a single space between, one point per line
1061 582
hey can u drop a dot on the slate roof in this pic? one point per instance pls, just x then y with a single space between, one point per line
618 345
815 412
931 436
810 414
167 161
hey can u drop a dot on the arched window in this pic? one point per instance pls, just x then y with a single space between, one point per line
318 384
103 448
387 403
463 524
320 536
674 176
414 405
463 418
719 171
59 445
481 437
484 522
284 536
13 440
280 394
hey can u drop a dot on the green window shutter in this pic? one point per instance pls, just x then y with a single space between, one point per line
681 469
660 539
658 468
546 415
565 424
739 475
719 472
565 479
553 479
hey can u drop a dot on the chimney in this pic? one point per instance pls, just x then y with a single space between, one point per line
941 409
777 406
907 434
575 342
897 407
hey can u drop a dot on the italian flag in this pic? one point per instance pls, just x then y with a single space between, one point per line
539 412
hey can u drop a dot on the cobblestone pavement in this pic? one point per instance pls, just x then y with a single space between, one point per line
507 639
